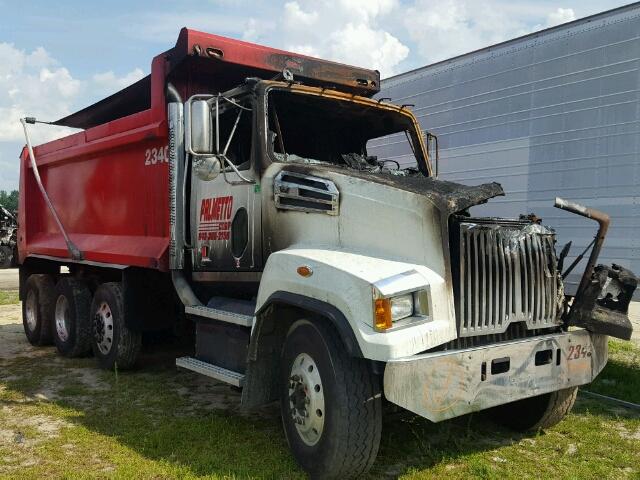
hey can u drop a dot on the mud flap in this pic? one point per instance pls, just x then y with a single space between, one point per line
603 305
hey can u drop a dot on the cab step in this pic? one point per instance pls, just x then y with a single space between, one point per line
232 378
229 312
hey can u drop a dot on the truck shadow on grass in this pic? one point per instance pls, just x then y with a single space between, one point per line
167 423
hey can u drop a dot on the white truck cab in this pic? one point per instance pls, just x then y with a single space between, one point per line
361 280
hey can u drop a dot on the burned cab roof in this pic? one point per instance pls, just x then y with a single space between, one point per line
210 63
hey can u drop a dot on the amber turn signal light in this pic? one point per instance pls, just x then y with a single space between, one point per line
383 314
304 271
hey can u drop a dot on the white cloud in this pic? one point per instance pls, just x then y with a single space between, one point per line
163 27
353 44
295 18
443 29
350 31
254 29
561 15
367 10
35 84
110 83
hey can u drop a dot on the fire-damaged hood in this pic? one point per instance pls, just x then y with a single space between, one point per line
448 197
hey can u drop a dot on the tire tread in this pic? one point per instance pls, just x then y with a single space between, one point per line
361 420
81 302
560 404
44 286
129 342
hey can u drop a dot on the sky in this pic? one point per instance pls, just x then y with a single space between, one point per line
58 57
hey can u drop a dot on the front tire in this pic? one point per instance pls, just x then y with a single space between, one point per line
330 403
114 345
72 326
535 413
37 309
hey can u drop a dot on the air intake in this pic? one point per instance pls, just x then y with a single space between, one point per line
297 191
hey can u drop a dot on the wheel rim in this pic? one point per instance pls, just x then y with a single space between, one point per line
306 399
62 318
103 320
30 310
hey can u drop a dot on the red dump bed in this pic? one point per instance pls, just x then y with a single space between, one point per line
110 183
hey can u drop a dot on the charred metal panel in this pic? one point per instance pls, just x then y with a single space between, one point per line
504 272
266 62
603 305
448 197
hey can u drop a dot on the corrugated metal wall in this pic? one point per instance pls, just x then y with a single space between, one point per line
555 113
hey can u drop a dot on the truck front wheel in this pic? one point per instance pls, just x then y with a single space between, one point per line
536 413
114 345
71 326
330 403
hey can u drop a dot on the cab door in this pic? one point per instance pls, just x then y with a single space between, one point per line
225 211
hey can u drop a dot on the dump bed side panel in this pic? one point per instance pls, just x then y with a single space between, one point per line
110 187
113 204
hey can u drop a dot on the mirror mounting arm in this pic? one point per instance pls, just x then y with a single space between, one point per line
204 155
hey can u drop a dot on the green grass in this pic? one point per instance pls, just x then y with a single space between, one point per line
9 297
145 424
621 377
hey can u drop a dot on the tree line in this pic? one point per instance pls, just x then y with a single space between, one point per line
9 200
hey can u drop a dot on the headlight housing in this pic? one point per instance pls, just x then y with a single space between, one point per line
388 311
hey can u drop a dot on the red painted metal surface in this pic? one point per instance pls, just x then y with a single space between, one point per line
113 206
107 184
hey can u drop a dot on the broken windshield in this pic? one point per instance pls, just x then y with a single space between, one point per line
307 128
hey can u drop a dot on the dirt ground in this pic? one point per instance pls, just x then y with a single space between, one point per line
63 418
22 432
9 279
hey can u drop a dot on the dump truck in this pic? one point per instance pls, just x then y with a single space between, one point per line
234 192
8 236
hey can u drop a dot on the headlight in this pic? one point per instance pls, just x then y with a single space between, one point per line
389 310
401 307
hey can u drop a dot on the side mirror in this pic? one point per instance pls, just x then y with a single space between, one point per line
200 128
199 137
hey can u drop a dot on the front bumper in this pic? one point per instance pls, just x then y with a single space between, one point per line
443 385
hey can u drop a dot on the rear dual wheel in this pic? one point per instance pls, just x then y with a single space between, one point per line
37 309
71 326
67 315
114 344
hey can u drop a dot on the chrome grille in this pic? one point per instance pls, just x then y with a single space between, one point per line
507 274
